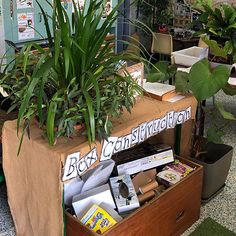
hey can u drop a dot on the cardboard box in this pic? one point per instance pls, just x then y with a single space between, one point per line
83 201
128 201
143 157
171 213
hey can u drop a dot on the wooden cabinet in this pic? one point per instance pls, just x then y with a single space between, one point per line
171 213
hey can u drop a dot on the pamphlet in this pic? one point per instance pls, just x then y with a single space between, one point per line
25 23
22 4
180 168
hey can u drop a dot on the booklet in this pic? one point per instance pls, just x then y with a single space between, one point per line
98 220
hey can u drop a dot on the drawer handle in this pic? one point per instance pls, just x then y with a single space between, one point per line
179 215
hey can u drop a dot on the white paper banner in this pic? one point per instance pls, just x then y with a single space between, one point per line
75 165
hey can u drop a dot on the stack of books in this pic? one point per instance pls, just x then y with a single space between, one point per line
161 92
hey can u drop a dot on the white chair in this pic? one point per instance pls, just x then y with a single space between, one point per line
161 44
202 44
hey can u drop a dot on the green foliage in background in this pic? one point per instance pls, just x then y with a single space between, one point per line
220 23
161 71
154 12
75 81
203 81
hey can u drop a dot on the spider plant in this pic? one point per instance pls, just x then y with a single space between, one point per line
74 81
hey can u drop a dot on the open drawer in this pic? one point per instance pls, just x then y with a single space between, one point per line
171 213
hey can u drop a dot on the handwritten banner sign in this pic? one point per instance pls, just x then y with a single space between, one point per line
76 166
143 132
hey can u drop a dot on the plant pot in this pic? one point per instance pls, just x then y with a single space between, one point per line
162 28
216 164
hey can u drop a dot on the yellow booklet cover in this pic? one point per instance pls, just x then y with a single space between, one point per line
97 219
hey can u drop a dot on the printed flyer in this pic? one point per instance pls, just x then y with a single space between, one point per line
108 8
22 4
25 22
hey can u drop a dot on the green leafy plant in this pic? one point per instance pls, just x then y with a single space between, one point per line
204 82
154 13
161 71
75 80
220 25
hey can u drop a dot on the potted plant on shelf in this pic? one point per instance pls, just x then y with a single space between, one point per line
204 82
219 25
75 81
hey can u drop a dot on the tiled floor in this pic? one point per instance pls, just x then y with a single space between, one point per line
6 223
222 208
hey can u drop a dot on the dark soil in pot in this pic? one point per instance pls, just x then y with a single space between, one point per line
216 161
213 152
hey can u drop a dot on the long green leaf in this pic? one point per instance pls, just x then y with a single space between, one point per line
57 45
26 57
25 103
47 27
22 137
51 121
40 101
89 102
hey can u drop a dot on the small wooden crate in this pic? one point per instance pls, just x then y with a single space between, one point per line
171 213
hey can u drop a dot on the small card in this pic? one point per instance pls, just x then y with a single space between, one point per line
180 168
169 177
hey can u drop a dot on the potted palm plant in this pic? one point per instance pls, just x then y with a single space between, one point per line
75 81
